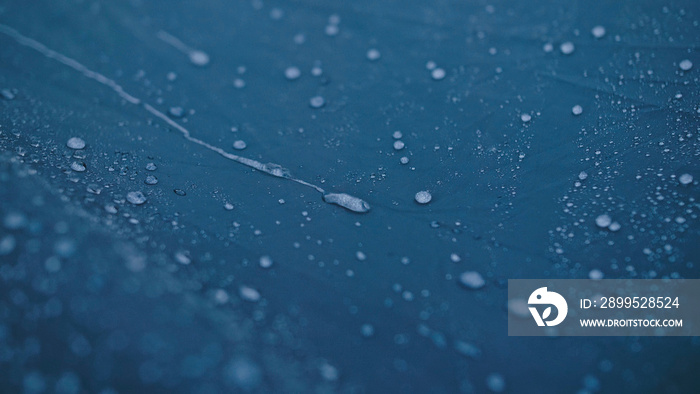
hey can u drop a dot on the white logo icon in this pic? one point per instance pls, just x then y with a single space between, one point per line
543 297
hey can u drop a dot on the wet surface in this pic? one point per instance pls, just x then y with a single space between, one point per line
547 148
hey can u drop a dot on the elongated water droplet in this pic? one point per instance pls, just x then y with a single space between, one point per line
347 201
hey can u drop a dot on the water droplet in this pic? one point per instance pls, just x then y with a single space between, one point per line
567 48
151 167
347 201
182 257
238 83
243 373
373 55
361 256
614 226
292 73
367 330
404 160
595 274
496 383
7 244
75 143
249 294
525 118
598 31
15 220
577 110
199 58
136 198
239 145
329 372
582 175
398 145
265 261
179 192
317 102
77 167
397 135
332 30
176 112
603 221
423 197
685 179
685 65
7 94
228 206
472 280
438 74
151 180
455 258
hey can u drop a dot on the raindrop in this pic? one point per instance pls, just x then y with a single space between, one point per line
525 118
582 175
398 145
614 226
151 167
228 206
75 143
77 167
176 112
397 135
136 198
151 180
598 31
423 197
249 294
404 160
292 73
239 145
332 30
496 383
472 280
7 244
317 102
265 261
373 54
603 221
685 179
179 192
367 330
567 48
438 74
577 110
361 256
243 373
347 201
182 258
7 94
595 274
685 65
199 58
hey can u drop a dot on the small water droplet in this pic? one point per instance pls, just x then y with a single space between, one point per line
438 74
292 73
151 180
577 110
567 48
603 221
685 179
151 167
685 65
317 102
179 192
373 55
136 198
78 167
199 58
76 143
598 31
472 280
423 197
